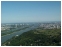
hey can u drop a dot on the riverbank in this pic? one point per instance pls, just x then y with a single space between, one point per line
37 37
5 38
14 31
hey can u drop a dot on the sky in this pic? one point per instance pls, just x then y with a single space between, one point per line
33 11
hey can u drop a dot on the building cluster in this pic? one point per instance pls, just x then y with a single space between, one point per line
22 25
5 27
50 25
12 26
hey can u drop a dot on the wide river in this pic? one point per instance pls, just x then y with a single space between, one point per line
5 38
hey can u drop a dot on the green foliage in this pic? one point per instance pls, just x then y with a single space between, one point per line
38 37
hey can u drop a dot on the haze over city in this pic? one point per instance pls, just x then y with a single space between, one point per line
30 23
15 11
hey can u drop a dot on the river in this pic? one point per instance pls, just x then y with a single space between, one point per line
5 38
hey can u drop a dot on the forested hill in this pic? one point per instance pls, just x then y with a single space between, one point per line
38 37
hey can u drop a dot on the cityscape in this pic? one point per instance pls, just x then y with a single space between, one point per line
31 23
51 25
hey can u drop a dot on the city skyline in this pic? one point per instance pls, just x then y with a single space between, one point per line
33 11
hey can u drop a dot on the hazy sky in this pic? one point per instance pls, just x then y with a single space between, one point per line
12 12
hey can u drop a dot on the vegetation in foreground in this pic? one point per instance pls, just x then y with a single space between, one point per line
38 37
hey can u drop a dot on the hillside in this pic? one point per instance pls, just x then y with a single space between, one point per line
38 37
